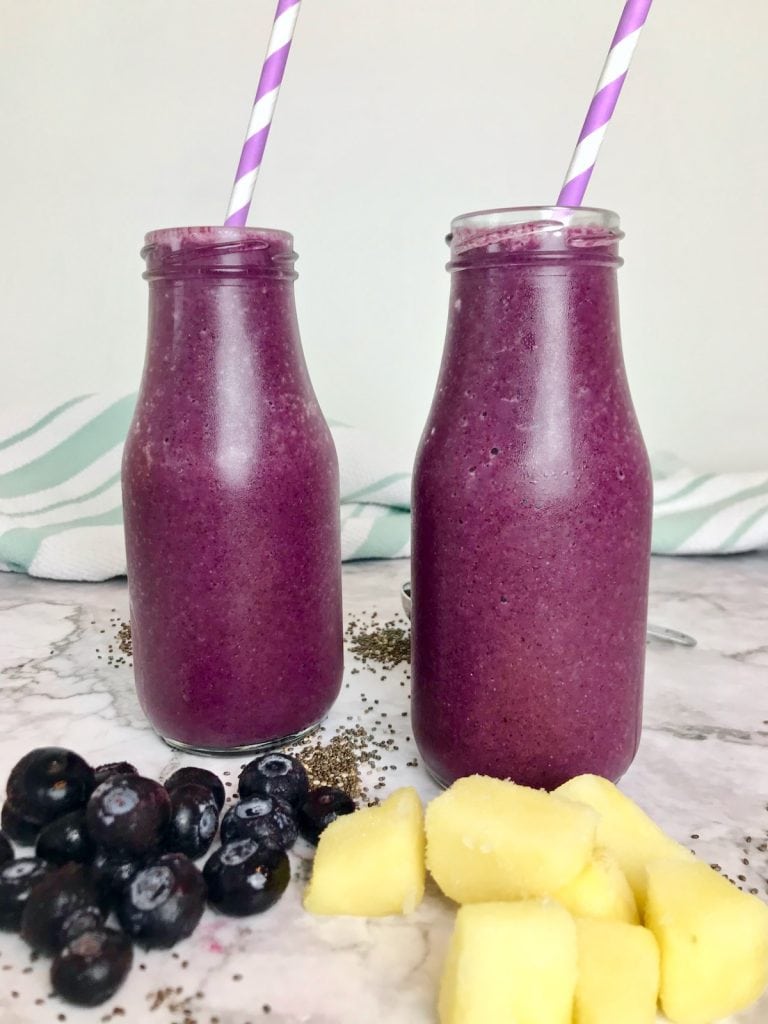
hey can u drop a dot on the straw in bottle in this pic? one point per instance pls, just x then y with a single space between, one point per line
263 111
604 102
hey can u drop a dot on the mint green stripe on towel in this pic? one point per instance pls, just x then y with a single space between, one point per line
731 541
671 530
42 422
19 546
387 536
687 489
72 455
78 500
367 493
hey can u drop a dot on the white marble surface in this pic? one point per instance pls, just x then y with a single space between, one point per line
702 769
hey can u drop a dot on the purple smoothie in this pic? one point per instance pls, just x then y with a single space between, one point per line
531 512
231 498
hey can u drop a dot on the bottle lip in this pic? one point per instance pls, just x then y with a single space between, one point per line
564 216
217 251
533 234
176 238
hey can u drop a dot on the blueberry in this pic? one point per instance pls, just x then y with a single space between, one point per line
194 820
113 871
66 839
128 813
84 919
17 880
106 771
263 818
52 900
92 967
163 902
277 775
21 830
200 777
6 850
246 877
48 782
322 806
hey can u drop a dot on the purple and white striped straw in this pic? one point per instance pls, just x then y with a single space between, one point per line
603 102
263 111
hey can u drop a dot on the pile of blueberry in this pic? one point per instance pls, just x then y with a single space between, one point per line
109 841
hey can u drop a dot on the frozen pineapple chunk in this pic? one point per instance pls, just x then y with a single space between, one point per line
371 863
618 974
490 840
624 830
510 963
600 891
713 941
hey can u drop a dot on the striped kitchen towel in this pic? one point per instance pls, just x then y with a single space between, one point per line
61 515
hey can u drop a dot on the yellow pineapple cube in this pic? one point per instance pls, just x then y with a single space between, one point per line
510 963
624 830
371 863
600 891
618 974
713 941
490 840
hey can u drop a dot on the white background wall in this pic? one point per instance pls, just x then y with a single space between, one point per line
122 115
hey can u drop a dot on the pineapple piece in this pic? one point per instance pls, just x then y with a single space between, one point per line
618 974
490 840
713 940
624 830
510 963
600 891
371 863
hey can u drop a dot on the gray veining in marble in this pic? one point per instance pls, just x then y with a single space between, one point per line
702 770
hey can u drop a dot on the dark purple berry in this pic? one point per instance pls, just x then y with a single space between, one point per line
48 782
92 967
106 771
21 830
194 820
51 902
17 880
277 775
163 902
263 818
6 850
113 871
199 777
84 919
245 877
128 813
321 807
66 839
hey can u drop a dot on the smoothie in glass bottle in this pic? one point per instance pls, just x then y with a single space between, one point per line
531 511
231 497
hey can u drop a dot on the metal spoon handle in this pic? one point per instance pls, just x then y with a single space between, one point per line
671 636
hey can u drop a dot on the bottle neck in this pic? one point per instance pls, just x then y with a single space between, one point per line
533 292
222 317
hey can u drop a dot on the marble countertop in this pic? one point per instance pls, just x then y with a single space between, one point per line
702 771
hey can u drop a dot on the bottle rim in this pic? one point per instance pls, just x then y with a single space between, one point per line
528 234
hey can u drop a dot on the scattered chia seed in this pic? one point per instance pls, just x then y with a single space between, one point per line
389 645
122 641
337 762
